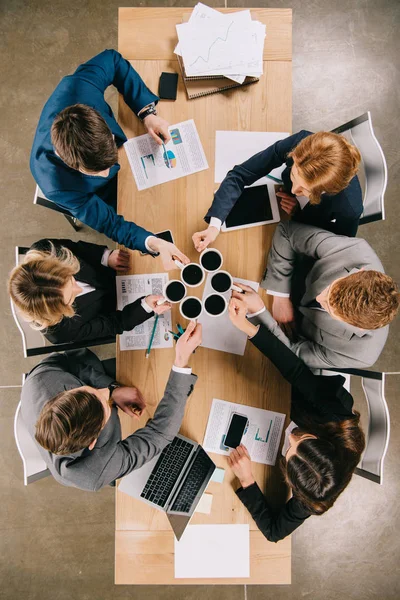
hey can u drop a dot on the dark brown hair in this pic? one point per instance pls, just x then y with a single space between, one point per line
323 466
82 138
366 299
70 422
327 162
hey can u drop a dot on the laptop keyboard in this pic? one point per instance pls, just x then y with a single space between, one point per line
193 482
166 471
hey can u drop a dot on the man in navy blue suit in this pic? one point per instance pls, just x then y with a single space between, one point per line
74 157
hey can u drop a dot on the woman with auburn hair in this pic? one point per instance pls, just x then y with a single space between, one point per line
320 185
324 445
67 290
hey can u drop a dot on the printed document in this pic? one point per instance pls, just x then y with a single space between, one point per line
211 551
261 437
129 289
218 332
153 164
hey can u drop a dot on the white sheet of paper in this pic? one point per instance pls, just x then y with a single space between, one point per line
152 165
203 552
218 332
234 147
204 506
261 438
129 289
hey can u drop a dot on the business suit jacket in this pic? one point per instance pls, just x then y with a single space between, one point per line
315 399
325 342
90 198
96 315
112 457
338 213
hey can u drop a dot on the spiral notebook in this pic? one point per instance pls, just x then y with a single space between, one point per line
198 87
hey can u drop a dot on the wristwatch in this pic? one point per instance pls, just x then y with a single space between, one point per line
111 388
150 109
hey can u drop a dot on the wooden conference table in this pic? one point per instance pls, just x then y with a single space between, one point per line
144 539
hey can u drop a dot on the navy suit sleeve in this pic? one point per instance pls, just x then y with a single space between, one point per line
273 527
93 211
249 172
110 68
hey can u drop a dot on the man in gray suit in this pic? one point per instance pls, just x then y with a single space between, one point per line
69 405
344 312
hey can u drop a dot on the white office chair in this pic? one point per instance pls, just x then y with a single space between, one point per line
374 179
33 341
41 200
34 466
373 384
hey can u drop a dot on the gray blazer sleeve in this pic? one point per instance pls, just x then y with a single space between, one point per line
291 238
145 443
314 355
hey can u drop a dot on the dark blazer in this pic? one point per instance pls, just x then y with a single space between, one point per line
111 457
90 198
321 399
338 213
96 315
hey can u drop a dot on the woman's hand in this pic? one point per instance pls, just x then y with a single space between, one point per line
240 463
152 300
119 261
202 239
237 315
253 301
289 203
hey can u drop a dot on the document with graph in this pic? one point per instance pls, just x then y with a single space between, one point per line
153 164
129 289
261 437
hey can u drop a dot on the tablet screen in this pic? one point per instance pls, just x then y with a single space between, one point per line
253 206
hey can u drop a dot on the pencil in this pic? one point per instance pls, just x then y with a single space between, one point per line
152 336
274 178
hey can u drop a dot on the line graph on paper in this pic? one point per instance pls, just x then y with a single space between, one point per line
218 39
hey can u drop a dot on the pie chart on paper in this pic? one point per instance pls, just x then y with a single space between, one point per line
169 159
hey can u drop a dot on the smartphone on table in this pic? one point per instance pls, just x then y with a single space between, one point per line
236 428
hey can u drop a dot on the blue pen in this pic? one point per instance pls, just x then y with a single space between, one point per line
274 178
166 155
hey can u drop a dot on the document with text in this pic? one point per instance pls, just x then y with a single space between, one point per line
261 437
153 164
129 289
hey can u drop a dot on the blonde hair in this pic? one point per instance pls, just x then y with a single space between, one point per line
327 162
36 286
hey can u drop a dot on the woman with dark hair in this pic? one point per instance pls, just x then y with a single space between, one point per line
324 446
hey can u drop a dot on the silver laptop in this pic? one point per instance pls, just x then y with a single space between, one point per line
172 481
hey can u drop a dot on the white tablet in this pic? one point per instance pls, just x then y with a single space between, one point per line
256 206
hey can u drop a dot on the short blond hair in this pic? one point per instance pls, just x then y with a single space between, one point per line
327 162
36 286
366 299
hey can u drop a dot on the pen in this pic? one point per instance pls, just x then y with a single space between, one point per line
166 155
152 336
274 178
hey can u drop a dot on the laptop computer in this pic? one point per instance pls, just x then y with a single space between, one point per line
172 481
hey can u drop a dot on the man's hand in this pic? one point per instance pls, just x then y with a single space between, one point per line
288 202
152 303
187 344
252 300
237 315
283 313
168 252
119 261
240 462
130 400
202 239
155 126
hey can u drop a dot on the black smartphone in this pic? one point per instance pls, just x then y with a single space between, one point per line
236 429
163 235
168 86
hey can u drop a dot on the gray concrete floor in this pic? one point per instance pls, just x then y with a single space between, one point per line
58 543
